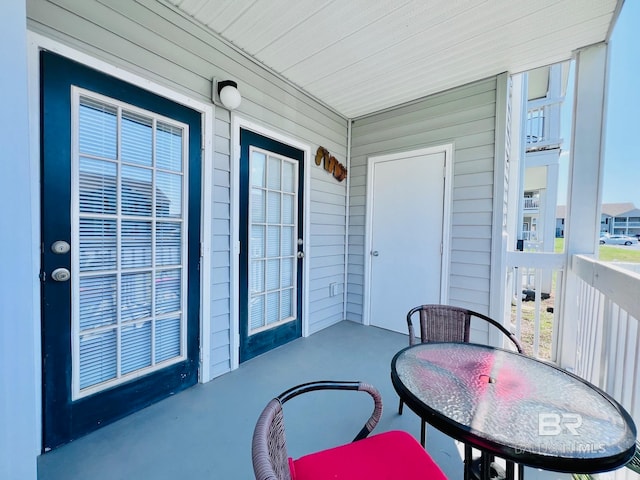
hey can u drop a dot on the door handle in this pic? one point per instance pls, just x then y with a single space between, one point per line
374 253
300 254
61 275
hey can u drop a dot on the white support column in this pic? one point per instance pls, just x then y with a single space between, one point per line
18 336
518 119
551 200
549 217
582 224
500 186
517 123
522 155
553 114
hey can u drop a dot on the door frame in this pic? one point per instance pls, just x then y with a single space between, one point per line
238 122
447 150
37 42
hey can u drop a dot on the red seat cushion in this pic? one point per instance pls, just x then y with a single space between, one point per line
393 455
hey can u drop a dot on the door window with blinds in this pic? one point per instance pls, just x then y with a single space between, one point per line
273 236
129 223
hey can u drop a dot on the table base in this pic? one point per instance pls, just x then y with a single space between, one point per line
474 468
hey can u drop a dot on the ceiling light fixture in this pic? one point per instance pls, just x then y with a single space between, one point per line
227 92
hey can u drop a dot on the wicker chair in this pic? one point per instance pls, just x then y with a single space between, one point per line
393 454
445 323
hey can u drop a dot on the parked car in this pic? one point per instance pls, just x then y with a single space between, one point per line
617 240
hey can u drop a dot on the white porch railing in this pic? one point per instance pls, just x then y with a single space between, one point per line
531 202
543 128
625 223
608 333
605 331
534 279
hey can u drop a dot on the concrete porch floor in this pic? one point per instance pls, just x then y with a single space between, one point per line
205 431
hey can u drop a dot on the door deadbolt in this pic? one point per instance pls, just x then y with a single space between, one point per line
61 275
60 247
375 253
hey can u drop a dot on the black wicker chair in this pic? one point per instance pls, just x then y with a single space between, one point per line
446 323
393 454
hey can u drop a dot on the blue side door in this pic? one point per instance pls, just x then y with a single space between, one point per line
120 227
271 237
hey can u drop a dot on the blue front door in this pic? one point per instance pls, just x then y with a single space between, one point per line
120 248
271 237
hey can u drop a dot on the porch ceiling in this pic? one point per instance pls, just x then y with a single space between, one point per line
362 56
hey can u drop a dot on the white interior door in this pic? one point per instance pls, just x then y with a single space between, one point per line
406 236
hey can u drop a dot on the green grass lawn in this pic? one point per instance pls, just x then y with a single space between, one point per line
618 253
559 245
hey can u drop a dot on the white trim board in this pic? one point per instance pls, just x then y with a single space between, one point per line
447 149
238 122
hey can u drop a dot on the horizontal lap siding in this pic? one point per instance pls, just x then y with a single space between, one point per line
465 117
154 41
221 265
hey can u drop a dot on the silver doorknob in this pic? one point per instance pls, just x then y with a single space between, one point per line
375 253
300 254
61 275
60 247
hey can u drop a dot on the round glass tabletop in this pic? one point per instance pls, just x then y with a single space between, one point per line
514 406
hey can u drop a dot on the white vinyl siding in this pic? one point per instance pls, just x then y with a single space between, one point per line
464 116
157 42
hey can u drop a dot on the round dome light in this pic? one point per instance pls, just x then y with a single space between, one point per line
229 94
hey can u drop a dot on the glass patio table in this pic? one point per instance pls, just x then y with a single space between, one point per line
515 407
